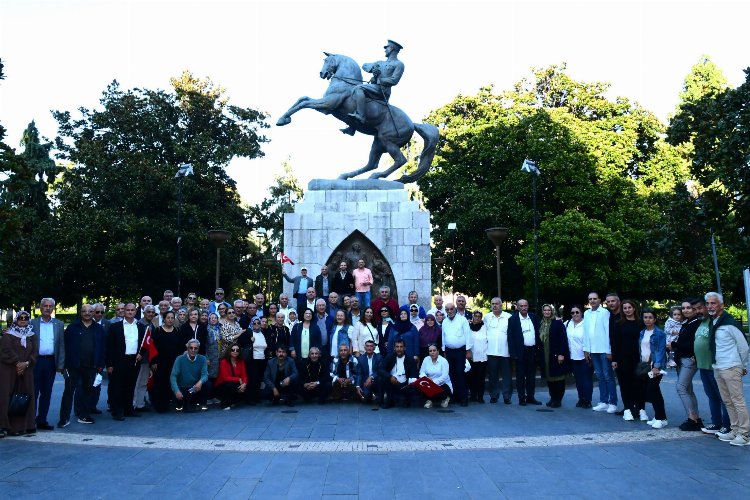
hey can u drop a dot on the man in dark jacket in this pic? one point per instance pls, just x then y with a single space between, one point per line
368 379
315 381
280 378
397 371
84 357
124 345
523 345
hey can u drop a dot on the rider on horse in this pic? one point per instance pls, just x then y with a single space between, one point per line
386 74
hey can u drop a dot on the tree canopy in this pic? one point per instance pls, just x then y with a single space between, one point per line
608 186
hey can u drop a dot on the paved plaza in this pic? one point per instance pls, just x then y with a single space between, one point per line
351 450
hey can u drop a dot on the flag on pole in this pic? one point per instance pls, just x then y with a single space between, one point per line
285 259
148 343
530 166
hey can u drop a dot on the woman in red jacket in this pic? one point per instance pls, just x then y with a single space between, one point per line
231 381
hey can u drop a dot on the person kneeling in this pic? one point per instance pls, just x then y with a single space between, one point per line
343 375
396 373
280 378
315 381
231 383
438 388
189 378
368 382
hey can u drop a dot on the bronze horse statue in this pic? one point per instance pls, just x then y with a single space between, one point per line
391 127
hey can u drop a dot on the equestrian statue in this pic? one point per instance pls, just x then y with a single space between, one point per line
365 109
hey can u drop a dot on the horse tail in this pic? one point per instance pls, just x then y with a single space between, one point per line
430 135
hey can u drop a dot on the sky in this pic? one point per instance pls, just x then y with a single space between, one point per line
61 54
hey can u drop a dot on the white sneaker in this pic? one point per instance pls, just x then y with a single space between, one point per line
740 440
651 422
643 416
611 409
726 436
444 403
600 407
658 424
628 415
428 403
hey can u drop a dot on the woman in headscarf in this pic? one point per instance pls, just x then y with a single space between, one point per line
18 351
556 362
404 330
430 333
212 343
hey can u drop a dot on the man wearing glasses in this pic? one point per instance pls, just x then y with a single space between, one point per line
189 378
218 300
124 355
596 348
50 332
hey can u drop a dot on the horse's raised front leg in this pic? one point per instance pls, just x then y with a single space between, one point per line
376 151
286 118
398 161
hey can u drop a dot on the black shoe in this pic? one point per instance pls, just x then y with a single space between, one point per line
289 402
62 424
493 400
464 402
554 404
44 427
579 404
548 404
533 401
275 402
507 401
119 418
690 426
620 413
133 414
522 402
586 405
30 432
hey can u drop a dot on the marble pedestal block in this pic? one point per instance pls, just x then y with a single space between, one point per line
333 210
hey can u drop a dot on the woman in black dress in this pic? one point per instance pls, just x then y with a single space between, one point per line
169 345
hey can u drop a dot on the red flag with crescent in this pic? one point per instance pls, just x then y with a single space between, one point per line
427 387
284 259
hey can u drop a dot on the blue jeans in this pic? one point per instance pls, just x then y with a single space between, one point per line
584 374
719 415
364 299
603 369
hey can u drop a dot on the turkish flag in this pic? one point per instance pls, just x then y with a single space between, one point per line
285 259
427 387
148 342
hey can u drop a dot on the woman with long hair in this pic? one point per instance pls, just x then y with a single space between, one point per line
193 329
230 329
231 382
625 356
365 330
653 350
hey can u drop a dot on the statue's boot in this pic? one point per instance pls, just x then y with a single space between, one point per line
348 130
357 116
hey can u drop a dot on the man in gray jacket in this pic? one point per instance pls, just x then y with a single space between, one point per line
730 354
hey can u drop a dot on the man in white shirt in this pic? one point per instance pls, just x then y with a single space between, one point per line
50 332
498 355
124 346
597 349
438 300
396 372
457 344
284 305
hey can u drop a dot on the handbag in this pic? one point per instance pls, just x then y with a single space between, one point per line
19 402
642 369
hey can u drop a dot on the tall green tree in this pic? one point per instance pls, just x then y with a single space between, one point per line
712 123
601 159
118 203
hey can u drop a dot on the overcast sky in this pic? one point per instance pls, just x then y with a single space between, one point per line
61 54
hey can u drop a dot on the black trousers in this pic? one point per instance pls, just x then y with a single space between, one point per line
526 373
556 390
122 387
77 380
228 393
319 393
648 389
477 375
628 382
456 358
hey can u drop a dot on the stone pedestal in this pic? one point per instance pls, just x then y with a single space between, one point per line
381 211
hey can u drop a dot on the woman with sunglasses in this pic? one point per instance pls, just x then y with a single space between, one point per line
582 369
169 345
231 383
383 325
18 352
230 329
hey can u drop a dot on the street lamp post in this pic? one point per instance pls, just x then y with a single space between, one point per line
453 227
269 263
184 170
497 235
440 262
530 166
218 237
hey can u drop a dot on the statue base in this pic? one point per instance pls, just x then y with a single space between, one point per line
351 219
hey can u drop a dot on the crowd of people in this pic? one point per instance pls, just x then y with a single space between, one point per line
186 356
